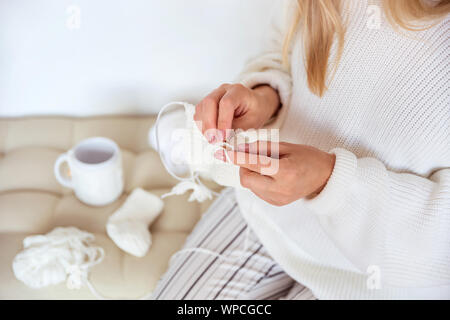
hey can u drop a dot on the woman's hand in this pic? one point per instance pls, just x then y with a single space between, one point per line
234 106
281 176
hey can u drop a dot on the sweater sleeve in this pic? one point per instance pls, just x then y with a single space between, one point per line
268 68
398 222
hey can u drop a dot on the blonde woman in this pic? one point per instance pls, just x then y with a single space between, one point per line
360 205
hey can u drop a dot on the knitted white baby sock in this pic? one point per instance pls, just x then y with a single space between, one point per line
172 146
128 226
189 151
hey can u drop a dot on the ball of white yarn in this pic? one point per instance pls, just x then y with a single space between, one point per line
64 254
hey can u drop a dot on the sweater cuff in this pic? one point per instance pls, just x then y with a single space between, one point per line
336 191
277 80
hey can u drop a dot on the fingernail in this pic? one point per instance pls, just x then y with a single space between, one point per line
220 155
210 137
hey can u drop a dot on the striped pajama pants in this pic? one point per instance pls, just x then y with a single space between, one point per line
244 269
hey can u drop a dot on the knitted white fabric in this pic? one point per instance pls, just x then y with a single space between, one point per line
173 148
64 254
183 148
384 215
128 226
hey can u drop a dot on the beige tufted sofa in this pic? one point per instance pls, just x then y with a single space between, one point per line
32 202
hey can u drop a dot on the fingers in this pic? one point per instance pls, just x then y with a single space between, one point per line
217 111
227 107
232 105
208 109
257 163
265 148
243 123
260 185
254 181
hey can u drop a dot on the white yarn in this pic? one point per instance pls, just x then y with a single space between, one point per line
64 254
213 253
200 192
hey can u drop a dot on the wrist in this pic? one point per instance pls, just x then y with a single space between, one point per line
268 99
329 161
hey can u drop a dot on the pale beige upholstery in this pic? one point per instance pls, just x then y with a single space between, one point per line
32 202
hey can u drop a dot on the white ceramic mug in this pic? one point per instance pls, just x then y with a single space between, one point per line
95 171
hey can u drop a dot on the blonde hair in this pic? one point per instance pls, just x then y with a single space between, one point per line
320 22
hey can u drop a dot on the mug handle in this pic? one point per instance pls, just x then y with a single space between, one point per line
62 180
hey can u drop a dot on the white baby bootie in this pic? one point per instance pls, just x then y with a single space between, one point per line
128 227
185 151
171 140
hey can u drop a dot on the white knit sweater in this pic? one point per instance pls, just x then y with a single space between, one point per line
386 208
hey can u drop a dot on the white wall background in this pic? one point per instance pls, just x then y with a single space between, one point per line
128 56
